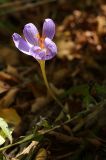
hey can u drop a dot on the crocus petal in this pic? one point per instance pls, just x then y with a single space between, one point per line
20 43
38 53
46 53
48 28
50 47
31 33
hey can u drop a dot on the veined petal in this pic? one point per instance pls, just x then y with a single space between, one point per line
46 53
31 33
48 28
50 47
37 53
20 43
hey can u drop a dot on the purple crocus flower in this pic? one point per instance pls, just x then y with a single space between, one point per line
41 48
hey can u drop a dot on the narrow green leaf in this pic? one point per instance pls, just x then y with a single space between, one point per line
2 140
5 129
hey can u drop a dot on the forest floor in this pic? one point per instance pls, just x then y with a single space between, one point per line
41 129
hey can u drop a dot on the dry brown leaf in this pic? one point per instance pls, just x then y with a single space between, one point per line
65 49
12 70
9 98
10 115
101 24
9 56
27 150
3 87
42 154
7 76
103 8
39 103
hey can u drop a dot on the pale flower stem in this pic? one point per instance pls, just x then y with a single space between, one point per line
42 65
